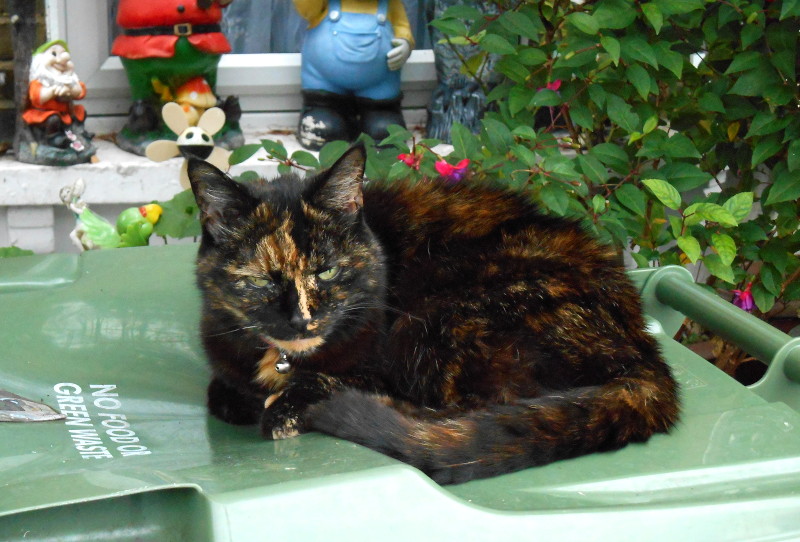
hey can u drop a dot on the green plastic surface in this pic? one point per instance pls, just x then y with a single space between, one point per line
109 337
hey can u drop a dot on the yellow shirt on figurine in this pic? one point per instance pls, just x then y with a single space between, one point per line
314 11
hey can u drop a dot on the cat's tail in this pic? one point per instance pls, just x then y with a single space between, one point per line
507 437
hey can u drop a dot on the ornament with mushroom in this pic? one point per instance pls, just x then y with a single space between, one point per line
193 141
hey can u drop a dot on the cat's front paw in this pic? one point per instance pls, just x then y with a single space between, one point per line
232 405
280 420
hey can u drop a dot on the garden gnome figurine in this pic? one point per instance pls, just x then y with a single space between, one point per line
165 46
54 131
351 59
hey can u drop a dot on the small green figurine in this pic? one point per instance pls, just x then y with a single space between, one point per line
133 228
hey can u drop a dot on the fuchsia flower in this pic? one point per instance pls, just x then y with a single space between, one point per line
411 160
554 86
744 298
452 173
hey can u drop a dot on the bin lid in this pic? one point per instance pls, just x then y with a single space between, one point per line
109 339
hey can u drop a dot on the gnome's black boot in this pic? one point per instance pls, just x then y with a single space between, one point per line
377 115
325 117
142 117
54 132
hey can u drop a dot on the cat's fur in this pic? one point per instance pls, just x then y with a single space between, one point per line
464 332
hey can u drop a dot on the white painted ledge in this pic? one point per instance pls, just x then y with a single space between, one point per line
32 216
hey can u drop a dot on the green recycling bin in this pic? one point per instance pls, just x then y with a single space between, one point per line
108 340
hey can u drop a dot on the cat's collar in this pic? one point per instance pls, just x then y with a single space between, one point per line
282 365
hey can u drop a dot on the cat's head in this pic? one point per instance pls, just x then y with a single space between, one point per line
290 260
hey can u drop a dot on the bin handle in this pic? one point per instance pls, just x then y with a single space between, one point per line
673 286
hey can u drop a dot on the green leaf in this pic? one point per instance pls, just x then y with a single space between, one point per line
634 48
711 102
762 298
450 27
498 45
592 168
530 56
519 23
671 60
739 205
640 260
581 115
766 148
528 157
690 246
305 159
725 247
512 68
771 279
616 14
247 177
756 82
555 198
611 45
275 149
465 143
715 266
790 8
518 99
678 7
331 152
676 225
776 253
496 135
665 192
611 155
460 11
242 153
746 60
680 146
179 217
545 97
653 16
598 204
785 187
632 198
765 122
793 155
621 113
639 78
583 22
716 213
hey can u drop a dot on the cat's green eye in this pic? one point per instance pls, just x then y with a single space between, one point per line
329 274
258 281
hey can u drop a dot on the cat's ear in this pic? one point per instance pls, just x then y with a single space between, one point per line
340 188
223 202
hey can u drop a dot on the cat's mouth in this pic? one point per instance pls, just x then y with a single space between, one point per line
297 346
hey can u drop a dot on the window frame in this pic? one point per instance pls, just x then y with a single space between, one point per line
267 82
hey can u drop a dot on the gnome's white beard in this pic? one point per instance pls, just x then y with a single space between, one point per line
49 76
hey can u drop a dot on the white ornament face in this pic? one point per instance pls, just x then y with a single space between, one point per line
195 136
195 142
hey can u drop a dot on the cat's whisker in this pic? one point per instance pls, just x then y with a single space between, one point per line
220 334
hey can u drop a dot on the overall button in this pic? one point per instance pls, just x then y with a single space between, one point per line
334 15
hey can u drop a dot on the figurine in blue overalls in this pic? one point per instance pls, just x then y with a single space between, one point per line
351 60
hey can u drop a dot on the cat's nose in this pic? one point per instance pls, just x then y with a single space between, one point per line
298 321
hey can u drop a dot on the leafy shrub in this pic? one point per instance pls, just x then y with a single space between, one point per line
668 127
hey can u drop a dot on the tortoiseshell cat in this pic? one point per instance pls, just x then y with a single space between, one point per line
453 327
